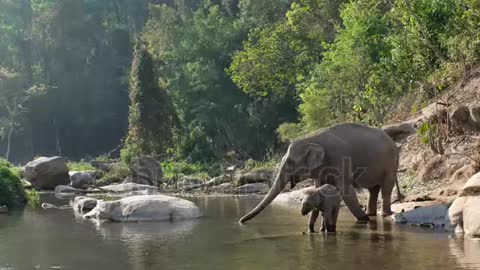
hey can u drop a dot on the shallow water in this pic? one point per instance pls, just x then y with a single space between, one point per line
55 239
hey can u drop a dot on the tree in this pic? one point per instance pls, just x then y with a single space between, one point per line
13 101
151 117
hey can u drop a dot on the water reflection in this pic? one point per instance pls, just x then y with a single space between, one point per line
273 240
466 252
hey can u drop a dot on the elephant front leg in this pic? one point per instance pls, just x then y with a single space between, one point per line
312 219
351 200
372 200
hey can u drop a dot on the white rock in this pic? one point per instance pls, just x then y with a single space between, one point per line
464 215
84 204
472 186
145 208
290 199
435 215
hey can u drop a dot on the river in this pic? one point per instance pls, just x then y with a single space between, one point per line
55 239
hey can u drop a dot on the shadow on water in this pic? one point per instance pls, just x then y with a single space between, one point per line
274 240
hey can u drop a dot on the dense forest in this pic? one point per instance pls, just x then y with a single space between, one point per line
208 80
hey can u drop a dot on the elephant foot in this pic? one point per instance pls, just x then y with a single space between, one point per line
311 229
372 214
331 229
363 219
387 213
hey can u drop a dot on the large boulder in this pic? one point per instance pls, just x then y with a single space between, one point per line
45 173
128 187
145 208
475 114
252 188
83 179
472 186
146 171
290 199
464 213
399 131
461 118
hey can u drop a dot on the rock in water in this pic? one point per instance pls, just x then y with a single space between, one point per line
46 173
84 204
146 171
290 199
82 180
145 208
3 209
464 213
434 215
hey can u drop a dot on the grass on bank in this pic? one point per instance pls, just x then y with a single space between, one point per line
12 191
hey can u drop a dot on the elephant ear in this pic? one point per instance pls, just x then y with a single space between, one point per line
314 156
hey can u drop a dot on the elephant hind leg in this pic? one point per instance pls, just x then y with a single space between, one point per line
372 200
387 189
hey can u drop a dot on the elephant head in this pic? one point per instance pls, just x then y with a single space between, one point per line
312 200
297 165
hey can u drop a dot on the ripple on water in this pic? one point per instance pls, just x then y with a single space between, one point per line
216 241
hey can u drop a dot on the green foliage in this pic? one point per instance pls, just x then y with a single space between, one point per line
174 169
12 193
423 132
257 165
151 118
287 132
80 166
33 198
209 78
427 132
118 172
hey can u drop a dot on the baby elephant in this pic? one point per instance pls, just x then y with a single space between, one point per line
325 199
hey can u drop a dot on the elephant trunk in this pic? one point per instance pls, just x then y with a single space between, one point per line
276 188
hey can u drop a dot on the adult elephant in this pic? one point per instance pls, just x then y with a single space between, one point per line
347 156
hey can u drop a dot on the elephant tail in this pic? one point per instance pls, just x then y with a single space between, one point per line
400 197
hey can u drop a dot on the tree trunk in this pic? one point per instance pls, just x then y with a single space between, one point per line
430 44
9 140
25 41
